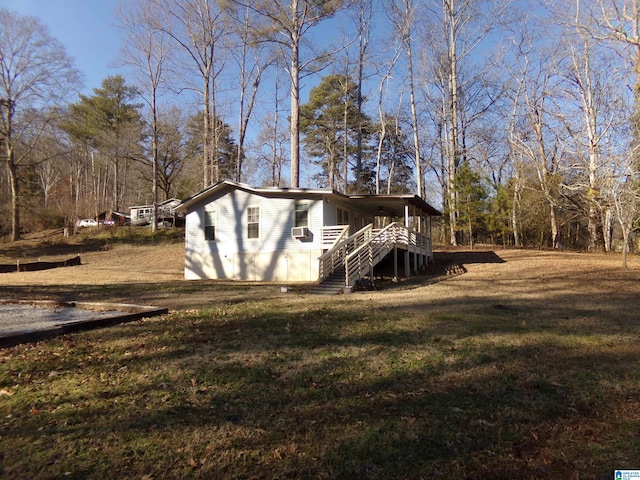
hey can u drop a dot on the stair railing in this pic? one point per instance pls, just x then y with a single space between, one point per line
334 258
369 254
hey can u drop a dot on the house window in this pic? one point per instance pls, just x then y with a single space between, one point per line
301 215
210 224
343 216
253 222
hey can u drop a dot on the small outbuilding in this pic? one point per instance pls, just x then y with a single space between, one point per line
238 232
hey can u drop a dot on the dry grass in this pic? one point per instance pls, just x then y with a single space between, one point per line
522 369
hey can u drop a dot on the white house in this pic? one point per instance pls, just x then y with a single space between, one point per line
142 214
234 231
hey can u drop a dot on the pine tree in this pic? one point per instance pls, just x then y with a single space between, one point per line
472 200
330 123
110 122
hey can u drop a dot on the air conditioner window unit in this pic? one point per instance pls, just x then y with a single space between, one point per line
299 232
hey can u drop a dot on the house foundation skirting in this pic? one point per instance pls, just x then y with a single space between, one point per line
278 266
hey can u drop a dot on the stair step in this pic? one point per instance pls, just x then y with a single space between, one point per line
332 285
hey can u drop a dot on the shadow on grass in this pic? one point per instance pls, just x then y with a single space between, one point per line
202 293
466 257
266 389
538 385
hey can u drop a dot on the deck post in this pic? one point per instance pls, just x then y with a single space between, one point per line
407 269
395 261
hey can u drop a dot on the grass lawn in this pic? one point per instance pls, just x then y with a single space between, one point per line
527 374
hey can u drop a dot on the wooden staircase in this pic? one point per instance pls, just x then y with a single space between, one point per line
332 285
352 258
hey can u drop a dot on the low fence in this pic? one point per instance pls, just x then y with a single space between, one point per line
36 266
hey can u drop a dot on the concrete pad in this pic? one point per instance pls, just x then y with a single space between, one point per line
23 321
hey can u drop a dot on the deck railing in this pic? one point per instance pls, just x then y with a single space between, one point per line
333 234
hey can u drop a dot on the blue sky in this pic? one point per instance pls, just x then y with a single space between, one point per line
86 28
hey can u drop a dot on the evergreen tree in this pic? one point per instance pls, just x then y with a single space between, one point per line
499 212
110 122
330 123
471 197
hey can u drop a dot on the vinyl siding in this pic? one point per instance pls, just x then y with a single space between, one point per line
356 217
274 255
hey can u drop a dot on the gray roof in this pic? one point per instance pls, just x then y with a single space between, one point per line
388 205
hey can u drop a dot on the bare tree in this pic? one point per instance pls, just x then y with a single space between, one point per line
618 20
272 139
515 152
35 74
456 29
172 154
288 23
593 103
403 13
382 87
538 136
594 89
249 54
362 20
198 28
625 196
45 159
146 50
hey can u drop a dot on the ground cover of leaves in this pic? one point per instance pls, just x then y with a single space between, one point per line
499 364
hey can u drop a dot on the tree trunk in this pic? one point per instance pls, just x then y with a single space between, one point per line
345 139
452 117
154 160
206 134
15 194
414 118
363 41
607 229
515 224
625 248
554 226
295 98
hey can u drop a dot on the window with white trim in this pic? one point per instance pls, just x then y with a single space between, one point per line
210 224
253 222
301 215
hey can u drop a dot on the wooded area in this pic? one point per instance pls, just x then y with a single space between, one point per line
518 119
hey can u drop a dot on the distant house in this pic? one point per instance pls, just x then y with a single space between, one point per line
234 231
111 217
142 214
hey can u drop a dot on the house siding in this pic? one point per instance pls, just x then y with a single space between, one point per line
356 216
274 256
